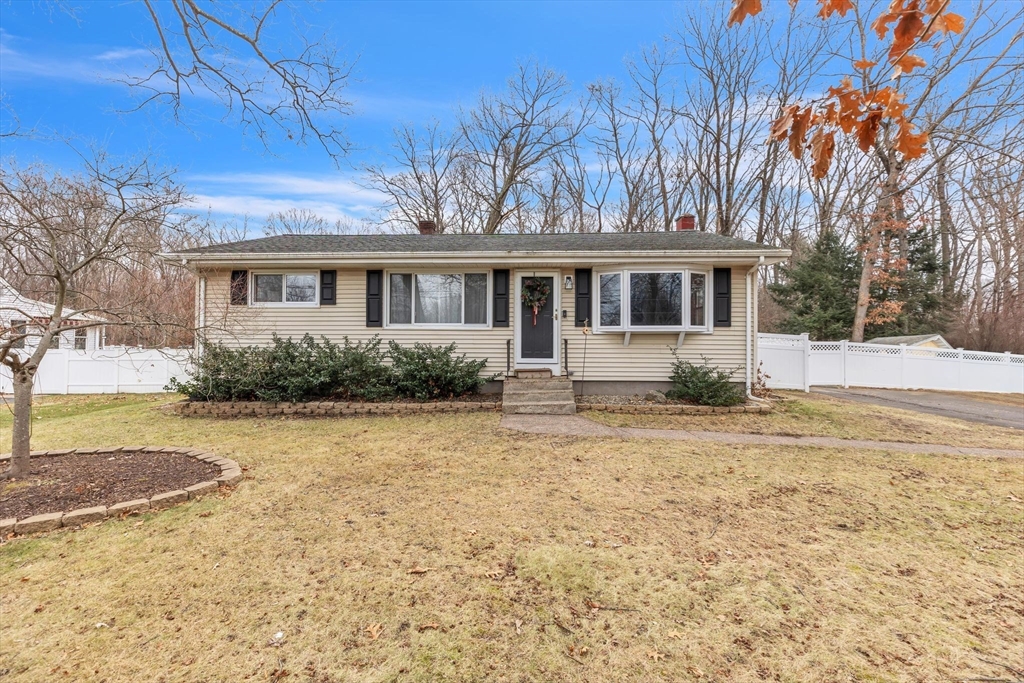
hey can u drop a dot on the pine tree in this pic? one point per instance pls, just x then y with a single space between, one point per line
820 290
918 290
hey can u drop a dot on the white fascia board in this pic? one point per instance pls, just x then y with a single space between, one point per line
485 258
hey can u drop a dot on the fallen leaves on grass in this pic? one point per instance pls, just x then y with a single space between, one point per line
374 631
419 570
655 655
423 627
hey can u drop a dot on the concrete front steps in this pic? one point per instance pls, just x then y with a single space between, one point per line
536 392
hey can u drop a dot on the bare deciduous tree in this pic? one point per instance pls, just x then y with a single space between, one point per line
508 138
305 222
56 232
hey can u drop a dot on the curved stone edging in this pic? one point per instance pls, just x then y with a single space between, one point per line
230 474
674 409
229 409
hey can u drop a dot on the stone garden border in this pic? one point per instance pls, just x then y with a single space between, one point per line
676 409
230 474
236 409
231 409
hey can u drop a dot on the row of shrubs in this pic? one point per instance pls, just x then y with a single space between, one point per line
308 370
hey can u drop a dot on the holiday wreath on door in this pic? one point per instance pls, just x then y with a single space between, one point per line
535 294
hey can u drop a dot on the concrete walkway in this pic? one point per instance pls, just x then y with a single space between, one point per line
575 425
944 403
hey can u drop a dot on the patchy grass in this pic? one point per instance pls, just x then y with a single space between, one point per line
444 548
47 407
819 415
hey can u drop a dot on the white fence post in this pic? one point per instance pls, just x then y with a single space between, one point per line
807 361
842 356
960 369
903 366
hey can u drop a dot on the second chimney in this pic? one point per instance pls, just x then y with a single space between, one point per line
427 227
686 222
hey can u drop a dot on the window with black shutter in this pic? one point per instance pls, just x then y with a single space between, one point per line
723 297
501 288
583 297
375 298
328 287
239 287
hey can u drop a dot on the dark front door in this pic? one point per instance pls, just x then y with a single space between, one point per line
538 339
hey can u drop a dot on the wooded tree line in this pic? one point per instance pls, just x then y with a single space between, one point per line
932 244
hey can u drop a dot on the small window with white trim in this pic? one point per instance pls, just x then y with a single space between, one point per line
653 300
438 299
285 289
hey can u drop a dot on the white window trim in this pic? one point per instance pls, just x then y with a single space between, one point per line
283 304
487 272
624 301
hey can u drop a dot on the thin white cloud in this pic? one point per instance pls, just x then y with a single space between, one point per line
96 68
342 190
261 194
119 54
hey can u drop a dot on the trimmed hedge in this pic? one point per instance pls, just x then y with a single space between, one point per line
307 370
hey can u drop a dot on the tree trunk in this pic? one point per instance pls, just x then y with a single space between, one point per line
882 215
20 446
945 226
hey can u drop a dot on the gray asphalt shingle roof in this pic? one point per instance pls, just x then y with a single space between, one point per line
546 243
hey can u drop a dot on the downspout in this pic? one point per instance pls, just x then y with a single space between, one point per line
751 282
201 317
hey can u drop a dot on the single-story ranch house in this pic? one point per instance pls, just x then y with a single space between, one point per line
610 307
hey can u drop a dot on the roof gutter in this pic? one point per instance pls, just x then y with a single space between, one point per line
520 257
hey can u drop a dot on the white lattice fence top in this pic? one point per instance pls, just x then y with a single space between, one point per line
785 340
873 349
826 346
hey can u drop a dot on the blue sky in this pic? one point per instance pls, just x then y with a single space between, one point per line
416 61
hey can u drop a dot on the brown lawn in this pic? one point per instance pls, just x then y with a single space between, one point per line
802 414
444 548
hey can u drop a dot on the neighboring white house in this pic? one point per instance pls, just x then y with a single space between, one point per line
619 305
22 315
928 341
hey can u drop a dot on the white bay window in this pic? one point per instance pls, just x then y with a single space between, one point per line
438 299
653 300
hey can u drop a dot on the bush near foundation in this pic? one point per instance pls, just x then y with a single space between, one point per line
703 384
308 370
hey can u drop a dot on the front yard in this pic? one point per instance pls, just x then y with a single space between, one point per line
810 414
430 548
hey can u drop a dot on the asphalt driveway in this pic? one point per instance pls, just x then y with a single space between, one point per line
947 404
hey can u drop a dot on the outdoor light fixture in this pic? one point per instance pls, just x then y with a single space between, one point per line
568 282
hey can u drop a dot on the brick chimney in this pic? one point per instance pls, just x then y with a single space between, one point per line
427 227
686 222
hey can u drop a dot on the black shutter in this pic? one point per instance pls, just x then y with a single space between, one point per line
375 298
239 287
583 297
501 296
328 287
723 297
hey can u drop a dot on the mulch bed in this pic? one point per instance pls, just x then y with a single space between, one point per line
69 482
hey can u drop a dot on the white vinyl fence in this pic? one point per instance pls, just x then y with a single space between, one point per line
111 370
795 362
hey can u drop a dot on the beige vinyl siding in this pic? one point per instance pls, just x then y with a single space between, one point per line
244 325
647 358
